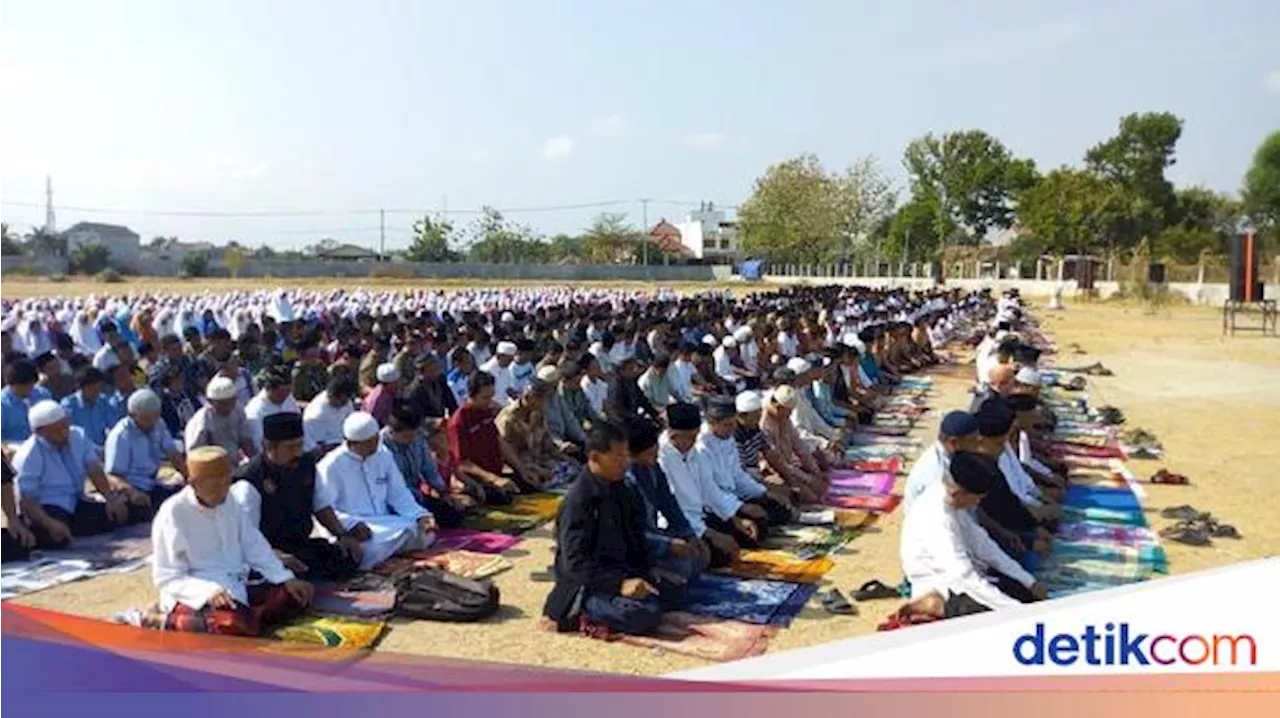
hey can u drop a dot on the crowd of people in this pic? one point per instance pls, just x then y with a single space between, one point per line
307 436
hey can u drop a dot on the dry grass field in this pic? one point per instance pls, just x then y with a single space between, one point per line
1213 401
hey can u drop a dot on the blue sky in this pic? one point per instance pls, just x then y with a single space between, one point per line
331 106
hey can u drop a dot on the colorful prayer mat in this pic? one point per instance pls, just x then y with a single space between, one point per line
752 600
1149 555
905 442
464 563
1080 575
706 637
892 465
472 540
880 504
1102 498
526 512
1106 516
778 566
332 631
332 599
857 453
810 542
844 481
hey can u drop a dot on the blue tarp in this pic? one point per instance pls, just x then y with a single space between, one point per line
752 269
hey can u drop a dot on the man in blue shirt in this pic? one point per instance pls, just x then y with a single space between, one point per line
136 448
90 410
671 540
52 465
17 398
408 446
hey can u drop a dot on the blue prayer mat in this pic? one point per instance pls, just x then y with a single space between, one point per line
1094 497
751 600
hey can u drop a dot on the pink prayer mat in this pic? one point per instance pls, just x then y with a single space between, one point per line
880 504
473 540
844 481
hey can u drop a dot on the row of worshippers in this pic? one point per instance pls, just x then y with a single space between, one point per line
983 500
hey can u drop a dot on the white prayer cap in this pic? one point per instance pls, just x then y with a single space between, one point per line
506 349
709 340
220 389
360 426
729 342
508 317
106 361
388 373
45 413
1027 375
786 396
143 401
742 334
798 365
748 401
548 374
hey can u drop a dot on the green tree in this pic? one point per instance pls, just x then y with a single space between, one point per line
1261 193
195 264
865 200
911 235
233 257
791 215
1135 160
43 242
563 246
10 242
90 259
264 252
970 176
610 239
1066 211
431 241
495 240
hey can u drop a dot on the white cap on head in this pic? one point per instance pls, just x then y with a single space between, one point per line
143 401
220 388
786 396
1030 377
729 342
709 340
748 401
548 374
507 349
742 334
360 426
388 373
798 365
45 413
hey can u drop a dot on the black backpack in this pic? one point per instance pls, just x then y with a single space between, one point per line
437 595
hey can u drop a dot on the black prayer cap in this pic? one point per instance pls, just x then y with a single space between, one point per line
1021 402
1026 354
273 377
973 472
721 407
642 434
284 426
44 358
994 416
683 416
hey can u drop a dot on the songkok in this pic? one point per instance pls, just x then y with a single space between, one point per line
143 401
748 401
1021 402
787 396
798 365
1024 354
721 407
994 417
208 462
782 375
683 417
220 388
273 377
958 423
360 426
1027 375
548 374
388 373
974 473
728 342
283 426
45 413
742 334
642 434
506 349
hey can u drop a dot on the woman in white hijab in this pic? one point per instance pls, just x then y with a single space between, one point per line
84 335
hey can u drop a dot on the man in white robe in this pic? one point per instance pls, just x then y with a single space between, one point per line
221 422
323 418
504 378
274 397
946 553
204 546
958 432
363 485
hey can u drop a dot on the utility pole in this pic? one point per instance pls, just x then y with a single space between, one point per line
382 234
644 225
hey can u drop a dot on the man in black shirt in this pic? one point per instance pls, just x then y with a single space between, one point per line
430 393
276 487
626 399
605 575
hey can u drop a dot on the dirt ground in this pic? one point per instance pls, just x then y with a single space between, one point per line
1213 401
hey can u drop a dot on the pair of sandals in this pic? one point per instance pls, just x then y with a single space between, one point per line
834 602
1110 415
1164 476
1076 383
1195 528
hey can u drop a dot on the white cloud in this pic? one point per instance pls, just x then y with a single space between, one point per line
557 148
612 126
1272 81
705 140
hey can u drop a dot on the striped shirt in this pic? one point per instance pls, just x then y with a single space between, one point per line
751 446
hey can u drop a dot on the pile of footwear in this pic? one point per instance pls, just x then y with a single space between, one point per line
1141 444
1195 527
1110 415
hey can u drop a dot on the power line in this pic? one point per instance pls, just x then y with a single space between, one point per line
322 213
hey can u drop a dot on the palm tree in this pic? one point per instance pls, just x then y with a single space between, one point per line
10 242
43 242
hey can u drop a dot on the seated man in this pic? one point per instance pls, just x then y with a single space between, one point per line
18 396
809 484
137 447
474 444
221 422
604 573
275 395
52 465
717 442
565 427
758 458
361 483
673 542
957 432
403 437
1003 514
526 443
203 542
277 488
89 409
322 420
724 520
945 551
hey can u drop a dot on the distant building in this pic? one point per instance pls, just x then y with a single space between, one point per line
123 243
708 235
347 253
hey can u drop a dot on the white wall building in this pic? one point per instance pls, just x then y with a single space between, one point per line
123 243
709 235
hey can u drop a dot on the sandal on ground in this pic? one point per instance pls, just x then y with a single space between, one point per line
1184 512
873 590
1218 530
1164 477
545 576
835 603
1187 534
